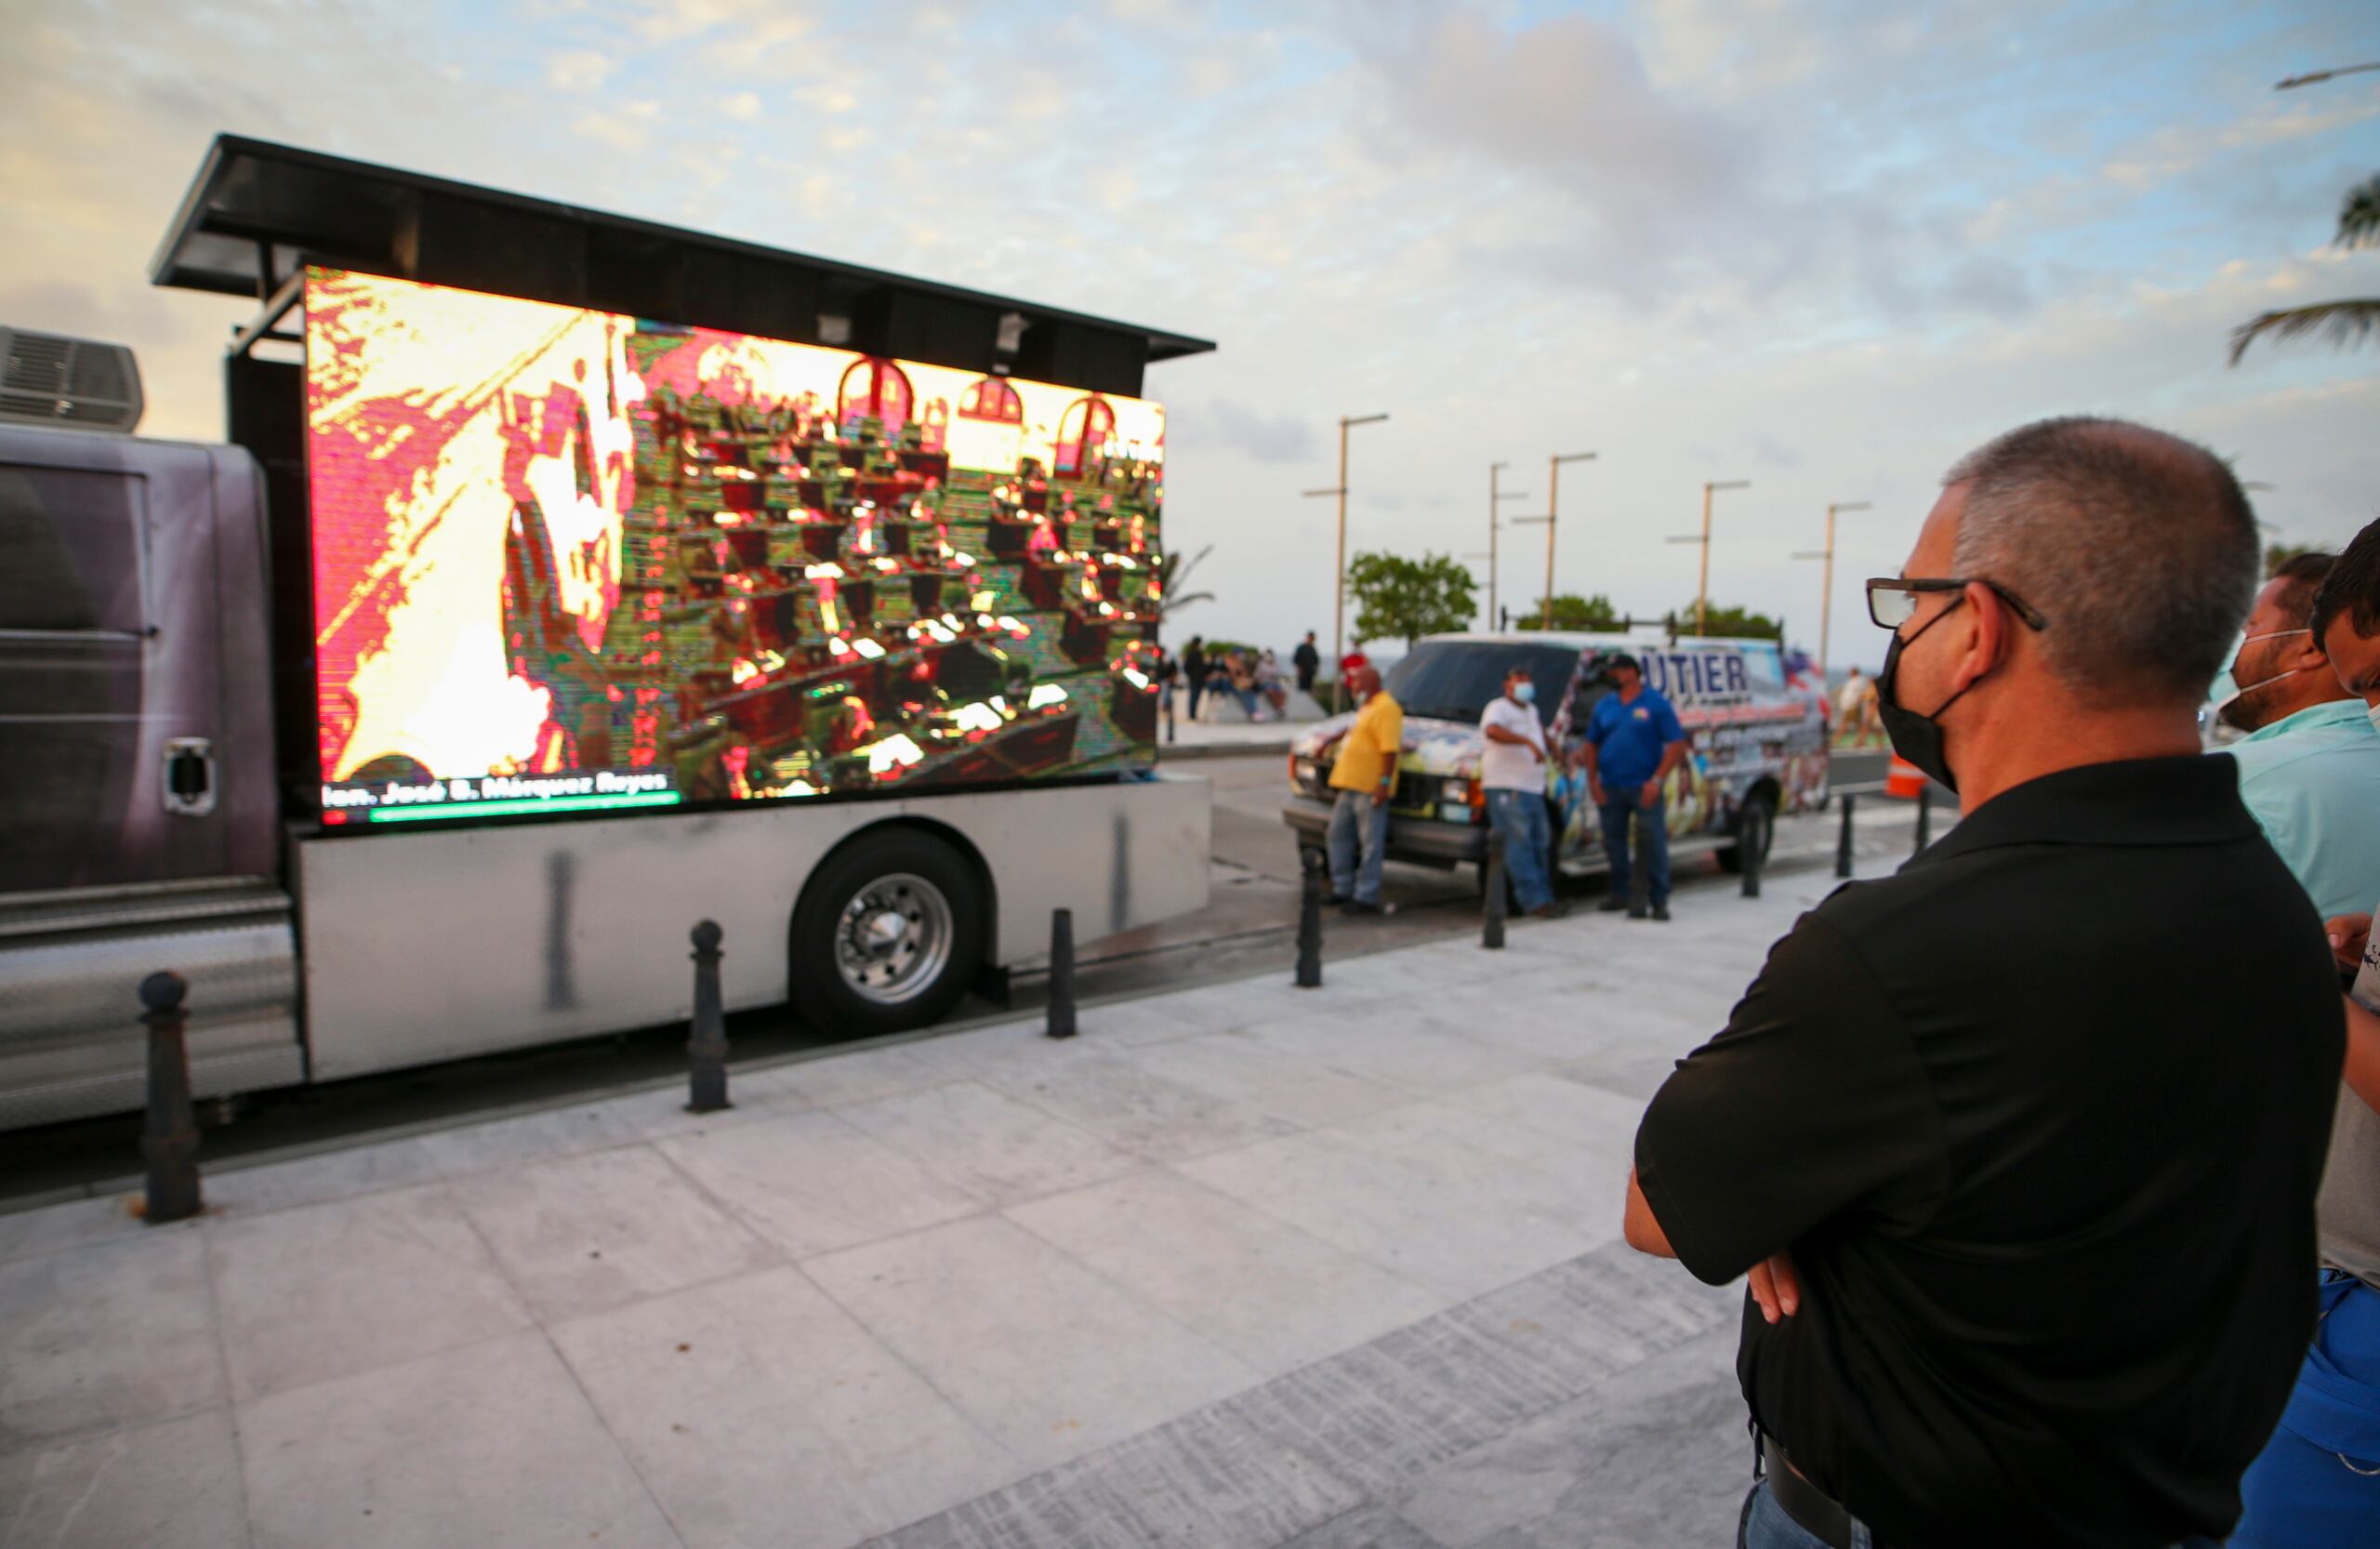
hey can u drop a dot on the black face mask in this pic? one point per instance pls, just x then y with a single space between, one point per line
1916 738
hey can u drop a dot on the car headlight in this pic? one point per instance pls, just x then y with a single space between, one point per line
1304 771
1457 791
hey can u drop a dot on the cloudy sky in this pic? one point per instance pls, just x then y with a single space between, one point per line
1823 246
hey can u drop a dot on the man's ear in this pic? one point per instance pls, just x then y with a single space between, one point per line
1987 626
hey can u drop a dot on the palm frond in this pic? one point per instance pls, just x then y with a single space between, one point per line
2360 216
1175 604
2344 322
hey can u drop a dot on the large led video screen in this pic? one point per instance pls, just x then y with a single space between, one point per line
569 560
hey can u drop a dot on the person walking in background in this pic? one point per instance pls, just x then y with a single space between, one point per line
1307 659
1632 742
2309 767
2317 1480
2018 1146
1512 773
1364 774
1169 675
1194 670
1851 709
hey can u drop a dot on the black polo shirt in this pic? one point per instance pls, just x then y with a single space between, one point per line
2041 1119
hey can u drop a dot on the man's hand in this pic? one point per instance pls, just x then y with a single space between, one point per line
1652 791
1776 1286
2347 935
1595 790
1381 793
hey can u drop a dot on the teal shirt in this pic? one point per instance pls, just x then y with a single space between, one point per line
2313 783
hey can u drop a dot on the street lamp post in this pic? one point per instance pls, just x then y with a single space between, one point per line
1826 587
1339 576
1552 515
1702 585
1495 470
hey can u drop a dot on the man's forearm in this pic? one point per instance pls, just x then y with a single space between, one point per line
1672 756
1637 1224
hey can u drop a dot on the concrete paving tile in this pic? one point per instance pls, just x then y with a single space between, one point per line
1362 1417
1442 1211
312 1179
1629 1073
78 1222
1050 1358
581 1234
528 1138
1559 1108
761 1413
1655 1456
1393 1045
178 1482
1233 1065
661 1113
109 1334
324 1290
1192 1481
813 1184
988 1145
489 1445
1370 1527
831 1081
1589 1170
1274 1296
1134 1109
1217 1008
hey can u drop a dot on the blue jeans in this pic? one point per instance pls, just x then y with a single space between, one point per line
2317 1480
1765 1526
1620 801
1519 815
1358 825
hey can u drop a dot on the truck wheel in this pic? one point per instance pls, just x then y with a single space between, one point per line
1756 830
887 936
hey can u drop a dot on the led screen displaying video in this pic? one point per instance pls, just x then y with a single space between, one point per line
568 560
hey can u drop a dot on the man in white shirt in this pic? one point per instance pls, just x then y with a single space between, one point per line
1512 772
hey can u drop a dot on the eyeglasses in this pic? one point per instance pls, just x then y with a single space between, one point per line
1892 600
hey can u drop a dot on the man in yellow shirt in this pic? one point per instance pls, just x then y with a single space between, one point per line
1364 777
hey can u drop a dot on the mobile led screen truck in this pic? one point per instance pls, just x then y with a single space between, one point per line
568 579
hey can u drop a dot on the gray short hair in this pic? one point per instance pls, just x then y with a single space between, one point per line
2138 546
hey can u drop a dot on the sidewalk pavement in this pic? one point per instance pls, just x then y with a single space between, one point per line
1242 1265
1196 739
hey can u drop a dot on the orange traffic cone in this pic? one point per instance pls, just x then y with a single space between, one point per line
1903 778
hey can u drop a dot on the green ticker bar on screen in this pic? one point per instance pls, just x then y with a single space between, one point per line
505 809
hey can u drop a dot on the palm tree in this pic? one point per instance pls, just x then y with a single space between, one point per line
2344 322
1173 569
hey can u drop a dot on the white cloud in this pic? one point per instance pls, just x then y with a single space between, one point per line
624 126
744 107
580 69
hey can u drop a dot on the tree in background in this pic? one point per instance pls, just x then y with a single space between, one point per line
1172 570
2346 323
1738 622
2279 555
1402 598
1575 613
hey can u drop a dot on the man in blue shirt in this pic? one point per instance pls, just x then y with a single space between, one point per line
2309 770
1633 742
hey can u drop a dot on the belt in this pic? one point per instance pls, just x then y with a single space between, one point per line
1812 1509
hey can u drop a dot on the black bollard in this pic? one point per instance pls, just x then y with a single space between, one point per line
706 1046
1310 928
1752 858
1842 844
170 1140
1491 924
1062 974
1925 815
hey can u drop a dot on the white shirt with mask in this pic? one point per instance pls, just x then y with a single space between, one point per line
1504 766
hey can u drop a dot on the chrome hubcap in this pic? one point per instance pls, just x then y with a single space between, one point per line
894 938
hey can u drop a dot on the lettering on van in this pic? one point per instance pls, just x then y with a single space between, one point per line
1684 677
367 796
